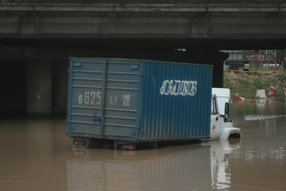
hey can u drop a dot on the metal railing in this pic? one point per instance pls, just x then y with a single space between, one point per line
17 2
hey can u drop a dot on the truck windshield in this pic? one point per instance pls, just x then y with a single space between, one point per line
213 105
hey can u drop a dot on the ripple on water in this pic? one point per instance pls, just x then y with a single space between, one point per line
261 117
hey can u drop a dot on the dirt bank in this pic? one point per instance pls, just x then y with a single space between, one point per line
246 84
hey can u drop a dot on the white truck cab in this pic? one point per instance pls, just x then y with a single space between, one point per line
221 126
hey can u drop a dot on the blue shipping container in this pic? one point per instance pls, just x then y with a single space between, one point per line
138 100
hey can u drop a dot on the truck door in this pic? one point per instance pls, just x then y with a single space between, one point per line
103 98
216 120
87 98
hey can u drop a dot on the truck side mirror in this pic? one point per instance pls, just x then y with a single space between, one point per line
226 109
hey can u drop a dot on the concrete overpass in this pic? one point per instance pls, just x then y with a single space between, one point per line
36 39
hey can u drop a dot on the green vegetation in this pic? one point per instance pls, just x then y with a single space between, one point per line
246 84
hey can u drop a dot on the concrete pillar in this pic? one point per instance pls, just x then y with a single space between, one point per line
12 92
60 86
39 87
211 57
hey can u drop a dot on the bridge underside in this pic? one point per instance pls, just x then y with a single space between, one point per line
34 78
34 71
36 41
146 43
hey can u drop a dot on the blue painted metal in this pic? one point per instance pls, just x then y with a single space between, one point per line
138 100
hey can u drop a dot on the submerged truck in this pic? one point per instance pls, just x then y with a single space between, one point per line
221 126
129 101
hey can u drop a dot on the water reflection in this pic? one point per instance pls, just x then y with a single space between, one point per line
220 170
36 155
193 167
260 163
263 128
260 104
259 107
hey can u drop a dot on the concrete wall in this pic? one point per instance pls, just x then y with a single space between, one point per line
39 87
60 86
12 87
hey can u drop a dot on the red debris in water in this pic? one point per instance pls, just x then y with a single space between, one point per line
272 91
238 97
284 92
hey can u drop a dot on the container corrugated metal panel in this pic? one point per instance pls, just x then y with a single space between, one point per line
175 116
103 98
132 99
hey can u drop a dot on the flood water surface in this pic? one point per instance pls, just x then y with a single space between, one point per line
36 155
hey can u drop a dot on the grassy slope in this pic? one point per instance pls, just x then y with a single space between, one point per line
247 84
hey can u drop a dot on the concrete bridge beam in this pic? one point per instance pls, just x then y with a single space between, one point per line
187 21
211 57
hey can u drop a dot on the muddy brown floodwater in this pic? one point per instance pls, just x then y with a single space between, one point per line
36 155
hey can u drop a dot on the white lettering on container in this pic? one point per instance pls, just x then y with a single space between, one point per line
179 87
126 100
80 99
86 97
113 100
90 98
98 95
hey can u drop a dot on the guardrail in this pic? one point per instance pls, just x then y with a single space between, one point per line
17 2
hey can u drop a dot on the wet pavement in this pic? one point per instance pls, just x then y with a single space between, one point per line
36 155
